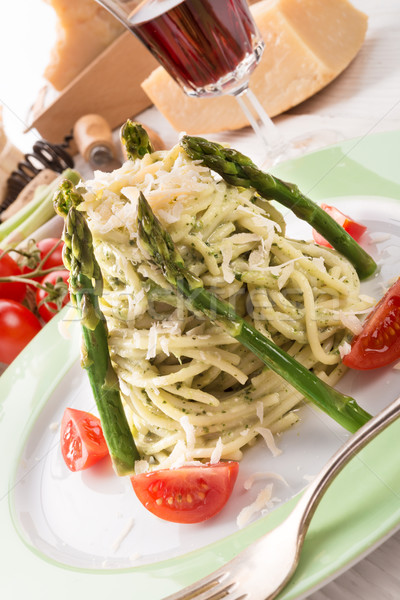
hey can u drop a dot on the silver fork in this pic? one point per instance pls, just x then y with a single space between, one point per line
262 569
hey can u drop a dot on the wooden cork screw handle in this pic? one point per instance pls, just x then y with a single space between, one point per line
92 131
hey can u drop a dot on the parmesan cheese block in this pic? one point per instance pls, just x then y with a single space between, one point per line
307 44
84 30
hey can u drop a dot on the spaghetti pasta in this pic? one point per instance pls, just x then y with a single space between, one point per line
188 386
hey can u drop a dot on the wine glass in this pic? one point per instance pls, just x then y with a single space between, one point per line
210 47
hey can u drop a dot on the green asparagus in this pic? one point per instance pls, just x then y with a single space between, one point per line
135 139
85 288
239 170
159 245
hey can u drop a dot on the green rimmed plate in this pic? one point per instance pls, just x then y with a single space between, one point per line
85 534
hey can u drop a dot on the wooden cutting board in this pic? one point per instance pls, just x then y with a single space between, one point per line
109 86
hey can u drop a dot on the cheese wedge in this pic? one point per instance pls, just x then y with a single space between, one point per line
307 44
84 30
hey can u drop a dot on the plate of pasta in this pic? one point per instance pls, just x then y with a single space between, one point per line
192 392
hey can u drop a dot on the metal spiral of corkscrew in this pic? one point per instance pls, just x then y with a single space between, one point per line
43 156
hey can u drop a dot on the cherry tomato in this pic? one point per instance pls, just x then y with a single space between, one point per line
188 494
54 259
353 228
82 440
13 290
18 326
379 342
48 309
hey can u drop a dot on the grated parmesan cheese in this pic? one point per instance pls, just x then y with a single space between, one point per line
177 457
351 322
181 192
248 484
152 347
269 440
260 410
123 535
344 349
189 432
257 259
259 503
259 220
285 275
319 262
164 345
217 452
131 193
172 215
141 466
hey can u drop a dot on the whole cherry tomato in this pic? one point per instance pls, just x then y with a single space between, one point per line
18 326
13 290
46 307
51 247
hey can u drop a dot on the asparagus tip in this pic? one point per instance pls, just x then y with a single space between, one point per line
135 139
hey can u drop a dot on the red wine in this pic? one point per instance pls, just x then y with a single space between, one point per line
199 42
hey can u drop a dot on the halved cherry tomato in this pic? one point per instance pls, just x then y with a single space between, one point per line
48 309
13 290
53 245
18 326
189 494
379 342
82 440
353 228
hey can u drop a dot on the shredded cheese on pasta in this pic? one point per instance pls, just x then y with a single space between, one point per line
191 391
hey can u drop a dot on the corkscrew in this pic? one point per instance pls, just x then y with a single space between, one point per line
43 156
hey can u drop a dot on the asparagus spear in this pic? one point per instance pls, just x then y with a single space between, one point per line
135 139
239 170
85 287
159 245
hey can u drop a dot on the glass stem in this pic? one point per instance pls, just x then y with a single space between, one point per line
263 126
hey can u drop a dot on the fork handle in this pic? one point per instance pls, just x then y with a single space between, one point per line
315 491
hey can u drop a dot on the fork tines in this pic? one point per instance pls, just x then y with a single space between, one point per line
213 587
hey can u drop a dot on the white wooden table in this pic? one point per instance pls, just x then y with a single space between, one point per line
364 99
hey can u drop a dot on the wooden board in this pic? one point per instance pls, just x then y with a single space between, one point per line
109 86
